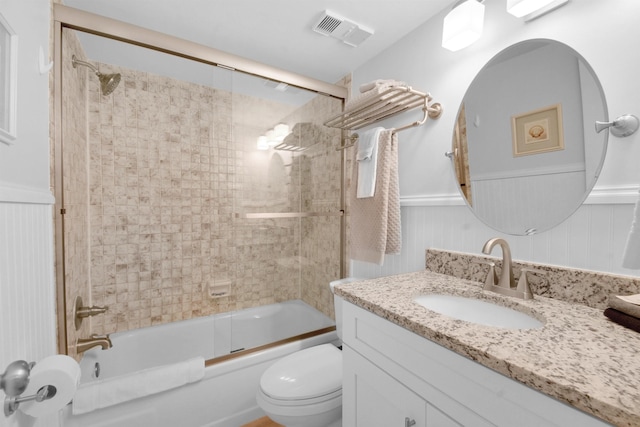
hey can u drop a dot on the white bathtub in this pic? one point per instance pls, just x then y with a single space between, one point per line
225 397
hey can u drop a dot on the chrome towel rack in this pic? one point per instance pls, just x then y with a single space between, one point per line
386 103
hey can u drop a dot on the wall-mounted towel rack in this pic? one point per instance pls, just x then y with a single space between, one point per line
382 104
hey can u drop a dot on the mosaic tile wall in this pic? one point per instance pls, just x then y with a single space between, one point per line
76 186
173 167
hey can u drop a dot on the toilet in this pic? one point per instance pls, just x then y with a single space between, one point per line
304 389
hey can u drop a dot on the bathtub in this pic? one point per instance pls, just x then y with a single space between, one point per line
237 347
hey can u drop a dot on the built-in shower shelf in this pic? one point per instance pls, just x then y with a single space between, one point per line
271 215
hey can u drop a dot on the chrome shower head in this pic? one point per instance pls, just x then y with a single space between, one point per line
108 82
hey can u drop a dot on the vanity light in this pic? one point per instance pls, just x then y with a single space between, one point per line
463 25
531 9
263 143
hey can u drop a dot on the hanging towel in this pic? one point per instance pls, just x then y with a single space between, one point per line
373 94
380 83
103 393
367 162
375 221
631 257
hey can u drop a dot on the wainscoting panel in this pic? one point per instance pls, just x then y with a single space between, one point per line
593 238
27 303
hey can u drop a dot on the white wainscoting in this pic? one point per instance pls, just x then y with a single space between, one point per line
593 238
27 291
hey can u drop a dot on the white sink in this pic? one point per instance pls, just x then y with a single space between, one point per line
478 311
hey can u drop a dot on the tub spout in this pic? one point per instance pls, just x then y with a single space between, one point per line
85 344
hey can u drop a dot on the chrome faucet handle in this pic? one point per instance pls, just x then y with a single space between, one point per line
523 283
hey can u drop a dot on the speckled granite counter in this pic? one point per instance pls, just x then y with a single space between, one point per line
579 356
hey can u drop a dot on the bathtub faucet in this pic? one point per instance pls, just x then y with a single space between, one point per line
85 344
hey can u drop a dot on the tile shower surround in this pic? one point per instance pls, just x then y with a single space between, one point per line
169 167
76 181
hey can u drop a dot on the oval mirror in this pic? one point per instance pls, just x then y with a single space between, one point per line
525 150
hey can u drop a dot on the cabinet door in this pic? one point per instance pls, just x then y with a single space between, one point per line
372 398
437 418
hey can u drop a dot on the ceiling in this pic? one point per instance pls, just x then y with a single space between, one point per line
274 32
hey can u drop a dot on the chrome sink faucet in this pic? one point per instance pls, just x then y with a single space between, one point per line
85 344
506 284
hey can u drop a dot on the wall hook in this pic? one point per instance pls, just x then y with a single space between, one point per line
44 67
622 126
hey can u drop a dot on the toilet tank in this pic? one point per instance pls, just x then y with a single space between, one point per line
337 301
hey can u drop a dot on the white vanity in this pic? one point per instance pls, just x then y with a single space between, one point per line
407 366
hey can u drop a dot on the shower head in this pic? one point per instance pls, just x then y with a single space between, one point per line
108 82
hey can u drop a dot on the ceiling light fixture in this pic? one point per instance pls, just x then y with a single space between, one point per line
532 9
463 25
262 143
280 131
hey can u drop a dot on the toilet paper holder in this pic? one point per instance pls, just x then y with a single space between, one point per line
14 382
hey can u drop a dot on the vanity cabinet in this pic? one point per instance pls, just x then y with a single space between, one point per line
393 377
380 400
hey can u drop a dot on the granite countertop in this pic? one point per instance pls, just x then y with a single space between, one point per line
578 356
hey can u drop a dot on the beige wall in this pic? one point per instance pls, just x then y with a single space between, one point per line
76 183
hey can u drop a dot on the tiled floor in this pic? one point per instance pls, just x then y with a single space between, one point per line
263 422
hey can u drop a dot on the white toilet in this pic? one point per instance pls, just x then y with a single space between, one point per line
304 389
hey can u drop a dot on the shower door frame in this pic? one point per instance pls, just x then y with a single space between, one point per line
65 17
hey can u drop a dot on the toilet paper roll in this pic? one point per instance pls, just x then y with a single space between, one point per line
59 371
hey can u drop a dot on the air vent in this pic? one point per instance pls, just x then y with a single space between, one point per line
327 24
331 24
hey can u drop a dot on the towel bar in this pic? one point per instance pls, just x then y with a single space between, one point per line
388 103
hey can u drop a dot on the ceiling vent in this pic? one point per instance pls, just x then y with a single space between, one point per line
340 28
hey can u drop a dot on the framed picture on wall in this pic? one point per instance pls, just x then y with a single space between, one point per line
538 131
8 81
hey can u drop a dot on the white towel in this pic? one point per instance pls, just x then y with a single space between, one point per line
104 393
380 83
375 228
367 162
631 257
374 95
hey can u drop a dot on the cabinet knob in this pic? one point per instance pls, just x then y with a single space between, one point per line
409 422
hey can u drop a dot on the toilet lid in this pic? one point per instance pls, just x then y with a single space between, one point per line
306 374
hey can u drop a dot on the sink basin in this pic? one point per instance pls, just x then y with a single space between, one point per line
478 311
